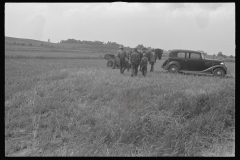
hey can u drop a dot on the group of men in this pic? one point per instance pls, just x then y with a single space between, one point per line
135 59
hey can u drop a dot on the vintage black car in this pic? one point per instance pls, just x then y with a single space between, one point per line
188 61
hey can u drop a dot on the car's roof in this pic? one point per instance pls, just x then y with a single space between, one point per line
185 50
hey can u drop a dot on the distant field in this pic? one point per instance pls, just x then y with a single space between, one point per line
16 51
228 59
76 107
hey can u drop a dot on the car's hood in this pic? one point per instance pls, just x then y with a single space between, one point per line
213 61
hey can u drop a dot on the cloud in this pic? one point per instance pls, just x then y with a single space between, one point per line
32 29
35 27
126 23
202 19
210 6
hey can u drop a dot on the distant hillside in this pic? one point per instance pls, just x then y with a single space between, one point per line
74 46
22 40
20 47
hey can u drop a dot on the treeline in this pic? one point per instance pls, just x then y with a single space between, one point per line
220 54
90 42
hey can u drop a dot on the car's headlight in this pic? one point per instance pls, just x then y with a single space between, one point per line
222 63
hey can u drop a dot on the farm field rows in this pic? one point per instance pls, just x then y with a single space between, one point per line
77 107
16 51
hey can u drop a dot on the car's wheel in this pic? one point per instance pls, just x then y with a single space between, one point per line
173 69
110 64
218 72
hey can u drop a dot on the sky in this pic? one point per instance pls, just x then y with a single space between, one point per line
198 26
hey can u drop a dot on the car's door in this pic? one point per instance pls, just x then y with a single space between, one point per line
181 58
195 62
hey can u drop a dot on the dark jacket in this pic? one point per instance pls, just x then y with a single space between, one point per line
135 57
144 61
122 55
159 53
152 57
140 54
148 52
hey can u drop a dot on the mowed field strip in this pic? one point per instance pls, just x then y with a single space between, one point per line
77 107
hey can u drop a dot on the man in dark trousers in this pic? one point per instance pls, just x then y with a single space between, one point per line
152 59
129 60
141 55
144 51
135 60
148 51
122 55
143 63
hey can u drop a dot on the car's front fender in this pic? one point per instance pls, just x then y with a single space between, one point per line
211 69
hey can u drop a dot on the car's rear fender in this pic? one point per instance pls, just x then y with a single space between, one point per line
165 63
172 63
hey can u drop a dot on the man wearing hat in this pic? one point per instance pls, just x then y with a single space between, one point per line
143 63
152 59
129 59
122 55
143 52
148 51
140 52
135 60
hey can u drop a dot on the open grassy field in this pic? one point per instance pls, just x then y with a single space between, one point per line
77 107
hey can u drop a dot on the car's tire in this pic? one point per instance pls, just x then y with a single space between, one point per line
173 69
110 64
219 72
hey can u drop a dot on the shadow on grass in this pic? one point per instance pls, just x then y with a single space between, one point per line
227 76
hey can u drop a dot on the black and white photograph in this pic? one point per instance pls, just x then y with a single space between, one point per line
119 79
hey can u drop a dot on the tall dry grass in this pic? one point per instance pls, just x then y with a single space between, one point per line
98 112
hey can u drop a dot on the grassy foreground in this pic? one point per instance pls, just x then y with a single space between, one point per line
94 111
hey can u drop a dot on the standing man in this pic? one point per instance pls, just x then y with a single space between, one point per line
144 52
135 60
129 60
148 51
141 55
122 55
152 59
143 63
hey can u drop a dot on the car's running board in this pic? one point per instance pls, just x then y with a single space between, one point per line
192 72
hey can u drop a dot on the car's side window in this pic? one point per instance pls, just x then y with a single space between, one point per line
195 56
181 55
174 54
